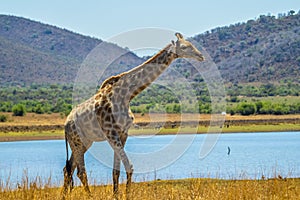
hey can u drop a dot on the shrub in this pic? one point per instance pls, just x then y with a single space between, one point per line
280 109
234 99
246 108
258 105
19 110
39 110
3 118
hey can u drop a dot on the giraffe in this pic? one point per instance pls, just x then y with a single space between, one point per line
107 115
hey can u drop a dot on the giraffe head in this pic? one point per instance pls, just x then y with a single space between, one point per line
185 49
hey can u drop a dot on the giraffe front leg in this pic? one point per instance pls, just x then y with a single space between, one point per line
129 180
129 170
116 173
118 143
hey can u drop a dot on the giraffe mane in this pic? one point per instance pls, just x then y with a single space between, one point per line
158 54
113 79
110 81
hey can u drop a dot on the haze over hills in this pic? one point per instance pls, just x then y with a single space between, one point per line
260 51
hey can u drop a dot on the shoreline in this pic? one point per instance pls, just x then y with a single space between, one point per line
29 138
59 135
50 126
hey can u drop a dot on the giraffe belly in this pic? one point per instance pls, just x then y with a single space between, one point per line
89 129
87 126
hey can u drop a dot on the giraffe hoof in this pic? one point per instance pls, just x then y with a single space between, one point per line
116 195
90 196
63 197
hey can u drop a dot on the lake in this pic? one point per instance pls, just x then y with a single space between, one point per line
234 156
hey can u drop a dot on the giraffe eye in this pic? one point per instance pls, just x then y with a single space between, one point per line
183 46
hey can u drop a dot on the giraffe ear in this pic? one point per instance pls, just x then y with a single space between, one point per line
173 42
179 36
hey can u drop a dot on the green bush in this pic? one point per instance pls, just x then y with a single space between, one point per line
234 99
19 110
280 109
39 110
246 108
3 118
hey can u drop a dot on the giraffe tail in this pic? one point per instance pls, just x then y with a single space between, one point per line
69 164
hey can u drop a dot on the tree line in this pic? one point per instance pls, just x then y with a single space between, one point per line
264 107
57 98
38 99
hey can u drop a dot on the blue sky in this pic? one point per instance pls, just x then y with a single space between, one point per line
104 19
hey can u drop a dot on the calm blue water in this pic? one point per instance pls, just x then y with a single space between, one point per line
161 157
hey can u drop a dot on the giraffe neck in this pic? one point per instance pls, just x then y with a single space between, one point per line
143 75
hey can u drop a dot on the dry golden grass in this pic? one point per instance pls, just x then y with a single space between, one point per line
34 119
192 189
45 126
57 119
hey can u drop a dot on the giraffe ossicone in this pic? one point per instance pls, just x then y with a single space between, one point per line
107 115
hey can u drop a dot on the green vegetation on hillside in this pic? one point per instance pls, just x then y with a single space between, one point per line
264 90
266 49
36 98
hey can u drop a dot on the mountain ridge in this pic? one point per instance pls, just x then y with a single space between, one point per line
262 50
257 51
33 52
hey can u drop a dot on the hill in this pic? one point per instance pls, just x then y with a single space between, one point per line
33 52
263 50
257 59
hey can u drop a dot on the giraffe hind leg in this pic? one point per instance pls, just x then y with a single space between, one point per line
80 148
81 173
68 175
77 160
69 170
